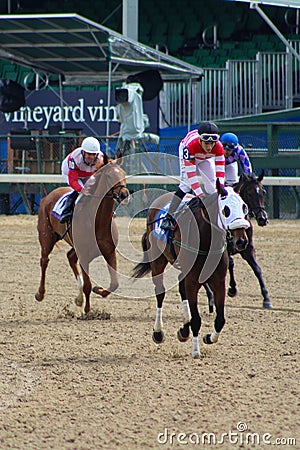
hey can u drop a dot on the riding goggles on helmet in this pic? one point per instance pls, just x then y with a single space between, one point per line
209 137
229 146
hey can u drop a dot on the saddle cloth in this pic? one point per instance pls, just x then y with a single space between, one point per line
59 205
160 233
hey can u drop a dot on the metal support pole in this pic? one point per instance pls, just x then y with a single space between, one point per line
275 29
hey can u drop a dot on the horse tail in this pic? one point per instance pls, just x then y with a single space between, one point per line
144 267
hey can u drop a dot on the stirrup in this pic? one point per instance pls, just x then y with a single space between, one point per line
66 217
168 223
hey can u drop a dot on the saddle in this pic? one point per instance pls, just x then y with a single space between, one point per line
168 235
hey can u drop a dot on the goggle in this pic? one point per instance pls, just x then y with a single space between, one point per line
209 137
229 146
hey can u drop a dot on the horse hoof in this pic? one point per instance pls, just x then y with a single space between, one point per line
158 337
267 305
196 355
183 335
97 290
38 297
231 292
206 339
78 301
101 291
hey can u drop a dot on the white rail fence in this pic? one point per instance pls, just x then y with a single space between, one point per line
132 179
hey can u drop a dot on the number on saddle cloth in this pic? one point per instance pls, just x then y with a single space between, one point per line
59 205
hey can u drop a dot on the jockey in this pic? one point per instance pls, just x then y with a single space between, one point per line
234 152
77 168
198 149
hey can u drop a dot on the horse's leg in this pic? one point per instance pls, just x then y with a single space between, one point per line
192 287
184 332
87 289
73 258
210 297
111 260
47 241
157 269
232 291
219 291
249 256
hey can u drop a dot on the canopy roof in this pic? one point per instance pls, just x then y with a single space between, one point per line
83 51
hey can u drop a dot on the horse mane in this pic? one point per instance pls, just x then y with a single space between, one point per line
208 204
195 203
92 182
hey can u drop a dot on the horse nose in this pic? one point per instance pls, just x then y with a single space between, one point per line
241 244
125 197
262 221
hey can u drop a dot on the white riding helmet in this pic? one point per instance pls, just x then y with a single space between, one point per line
91 145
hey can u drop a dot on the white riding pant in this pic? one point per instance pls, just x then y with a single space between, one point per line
65 169
207 171
231 173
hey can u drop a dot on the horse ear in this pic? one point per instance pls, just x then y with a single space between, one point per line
119 159
237 188
261 176
105 158
221 190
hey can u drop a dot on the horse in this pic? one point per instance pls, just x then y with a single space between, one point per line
92 232
253 193
197 247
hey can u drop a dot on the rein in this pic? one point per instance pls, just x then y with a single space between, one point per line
110 194
257 209
187 247
199 252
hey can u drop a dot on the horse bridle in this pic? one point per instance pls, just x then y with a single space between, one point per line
257 209
115 191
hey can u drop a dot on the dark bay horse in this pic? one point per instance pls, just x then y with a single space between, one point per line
253 193
92 233
198 250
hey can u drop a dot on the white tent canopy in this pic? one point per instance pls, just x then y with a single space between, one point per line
81 50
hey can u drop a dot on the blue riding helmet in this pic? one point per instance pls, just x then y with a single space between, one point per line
229 141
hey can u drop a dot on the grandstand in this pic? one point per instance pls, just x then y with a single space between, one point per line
247 68
218 37
186 32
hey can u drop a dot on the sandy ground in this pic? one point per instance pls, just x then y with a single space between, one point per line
103 383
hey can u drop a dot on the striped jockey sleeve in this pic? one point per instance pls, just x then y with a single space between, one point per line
190 168
244 160
220 168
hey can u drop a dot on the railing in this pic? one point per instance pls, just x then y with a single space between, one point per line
274 147
269 82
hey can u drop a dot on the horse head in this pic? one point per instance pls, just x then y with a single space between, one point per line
108 181
234 211
253 193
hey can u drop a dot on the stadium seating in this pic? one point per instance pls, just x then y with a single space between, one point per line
178 28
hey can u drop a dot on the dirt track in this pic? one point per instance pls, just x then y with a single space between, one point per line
103 383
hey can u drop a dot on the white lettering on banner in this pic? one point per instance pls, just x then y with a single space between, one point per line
78 109
97 113
38 114
47 114
67 109
77 113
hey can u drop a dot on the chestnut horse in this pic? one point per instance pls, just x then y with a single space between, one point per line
92 233
197 247
253 193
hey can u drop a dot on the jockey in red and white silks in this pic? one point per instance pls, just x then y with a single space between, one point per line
77 168
199 149
207 156
79 165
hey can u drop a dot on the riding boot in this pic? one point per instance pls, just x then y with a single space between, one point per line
168 221
67 212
